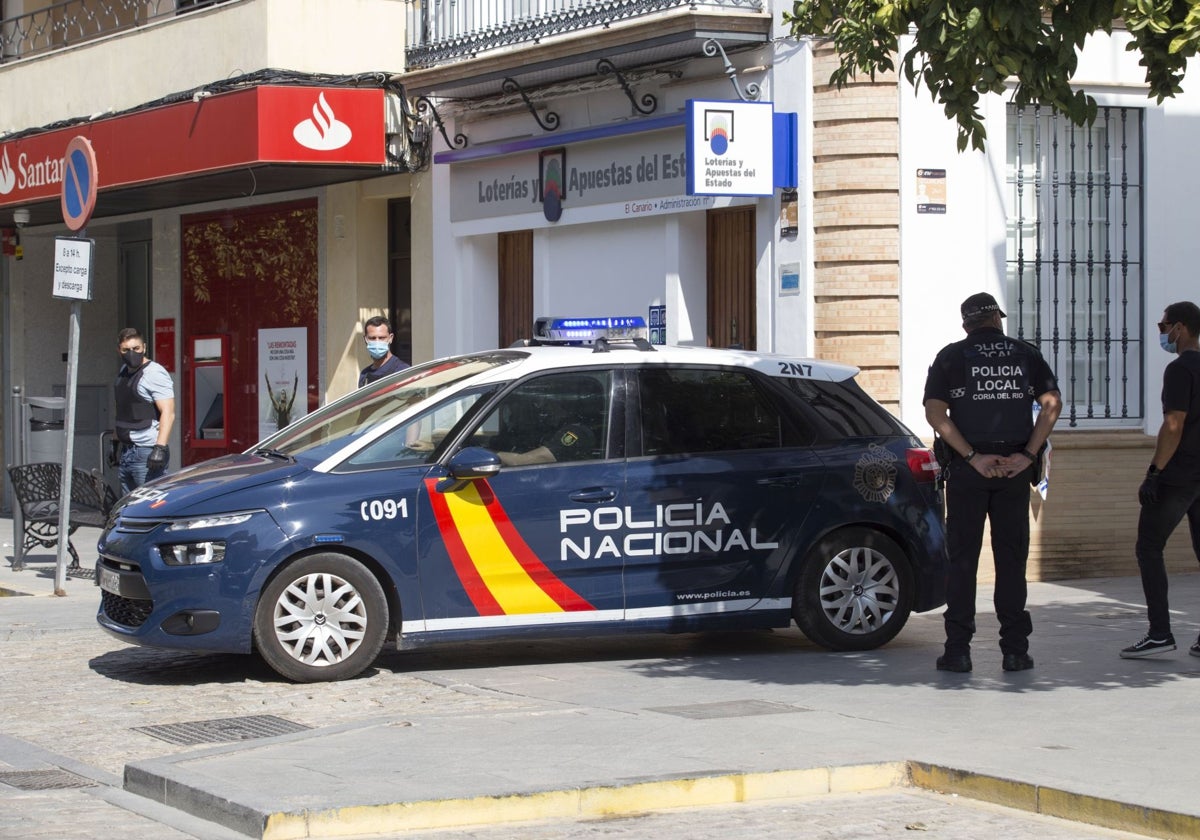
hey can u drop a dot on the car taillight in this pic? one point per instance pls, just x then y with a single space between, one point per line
922 464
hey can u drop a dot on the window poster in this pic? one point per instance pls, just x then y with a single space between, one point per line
283 374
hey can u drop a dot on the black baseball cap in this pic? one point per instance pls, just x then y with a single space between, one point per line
980 304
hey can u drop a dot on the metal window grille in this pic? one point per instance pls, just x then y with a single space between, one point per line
1074 256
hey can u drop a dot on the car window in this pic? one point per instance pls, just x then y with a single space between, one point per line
342 422
556 418
419 440
697 410
845 407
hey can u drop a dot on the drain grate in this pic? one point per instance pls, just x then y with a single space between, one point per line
54 779
729 709
222 730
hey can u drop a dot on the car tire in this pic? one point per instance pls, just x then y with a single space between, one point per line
854 591
321 619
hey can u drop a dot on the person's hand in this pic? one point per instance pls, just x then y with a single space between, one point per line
114 453
987 465
1148 492
1014 464
159 455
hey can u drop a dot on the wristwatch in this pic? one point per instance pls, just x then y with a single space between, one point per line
1028 454
969 456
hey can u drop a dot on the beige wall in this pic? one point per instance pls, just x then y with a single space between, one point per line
355 223
177 54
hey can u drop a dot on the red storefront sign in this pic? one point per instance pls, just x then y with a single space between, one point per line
260 125
164 342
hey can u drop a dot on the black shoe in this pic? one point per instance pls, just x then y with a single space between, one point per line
959 663
1194 650
1148 646
1017 662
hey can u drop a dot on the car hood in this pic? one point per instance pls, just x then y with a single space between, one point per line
197 489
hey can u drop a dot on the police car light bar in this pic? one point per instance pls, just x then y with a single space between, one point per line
589 330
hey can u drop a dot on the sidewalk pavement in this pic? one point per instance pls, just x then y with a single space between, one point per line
1085 735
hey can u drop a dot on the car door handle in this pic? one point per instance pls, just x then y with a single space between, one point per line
594 494
787 480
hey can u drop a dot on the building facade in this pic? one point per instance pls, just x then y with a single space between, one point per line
535 163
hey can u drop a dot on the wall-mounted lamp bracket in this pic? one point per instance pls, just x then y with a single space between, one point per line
649 102
510 85
423 104
711 48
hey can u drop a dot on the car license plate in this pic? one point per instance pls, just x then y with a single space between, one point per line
110 581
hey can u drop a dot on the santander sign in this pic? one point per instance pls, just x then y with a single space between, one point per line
29 173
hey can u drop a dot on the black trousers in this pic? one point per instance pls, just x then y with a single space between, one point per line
972 499
1155 524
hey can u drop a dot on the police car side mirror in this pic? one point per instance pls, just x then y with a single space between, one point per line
473 462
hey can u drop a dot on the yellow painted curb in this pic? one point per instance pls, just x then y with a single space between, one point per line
724 789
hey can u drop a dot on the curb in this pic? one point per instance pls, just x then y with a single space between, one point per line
662 795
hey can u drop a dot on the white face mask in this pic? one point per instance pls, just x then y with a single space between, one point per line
377 349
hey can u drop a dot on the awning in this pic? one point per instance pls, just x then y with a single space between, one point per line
241 143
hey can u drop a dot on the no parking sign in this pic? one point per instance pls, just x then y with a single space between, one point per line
80 178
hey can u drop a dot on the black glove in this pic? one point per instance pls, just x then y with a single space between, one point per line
1148 492
114 452
159 455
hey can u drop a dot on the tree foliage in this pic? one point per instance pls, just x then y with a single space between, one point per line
966 48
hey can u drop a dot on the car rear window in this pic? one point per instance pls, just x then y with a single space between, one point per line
846 407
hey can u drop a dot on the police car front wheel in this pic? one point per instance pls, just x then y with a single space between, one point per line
854 591
322 618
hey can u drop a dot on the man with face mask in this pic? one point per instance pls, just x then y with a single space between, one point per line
145 398
378 334
1171 488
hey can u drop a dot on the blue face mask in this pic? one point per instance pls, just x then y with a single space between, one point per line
1169 346
377 349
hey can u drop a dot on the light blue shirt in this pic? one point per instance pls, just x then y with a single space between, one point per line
155 385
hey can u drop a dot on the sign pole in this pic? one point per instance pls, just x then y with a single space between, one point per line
73 281
64 499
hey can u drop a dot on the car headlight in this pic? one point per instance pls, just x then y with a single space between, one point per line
193 554
216 520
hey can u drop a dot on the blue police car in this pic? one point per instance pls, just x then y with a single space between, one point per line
555 488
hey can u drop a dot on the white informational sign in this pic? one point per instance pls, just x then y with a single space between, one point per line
282 378
730 147
73 268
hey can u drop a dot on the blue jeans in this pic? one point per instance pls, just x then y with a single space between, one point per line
133 470
1155 524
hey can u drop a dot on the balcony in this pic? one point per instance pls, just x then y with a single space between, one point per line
65 24
465 49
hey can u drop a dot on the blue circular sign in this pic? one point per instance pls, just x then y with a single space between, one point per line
80 179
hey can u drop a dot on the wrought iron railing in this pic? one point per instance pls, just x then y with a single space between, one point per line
71 22
1076 285
441 31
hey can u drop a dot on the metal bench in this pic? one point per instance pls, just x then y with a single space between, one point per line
37 488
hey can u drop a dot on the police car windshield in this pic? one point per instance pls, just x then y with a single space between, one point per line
342 422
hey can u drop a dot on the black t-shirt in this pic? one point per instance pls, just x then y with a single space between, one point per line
990 382
371 373
1181 392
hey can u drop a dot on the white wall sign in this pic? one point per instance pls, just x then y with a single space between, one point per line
283 378
634 168
73 268
730 147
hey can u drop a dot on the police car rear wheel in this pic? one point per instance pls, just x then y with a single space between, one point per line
854 591
323 618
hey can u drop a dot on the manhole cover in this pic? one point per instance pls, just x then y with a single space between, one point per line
729 709
222 730
53 779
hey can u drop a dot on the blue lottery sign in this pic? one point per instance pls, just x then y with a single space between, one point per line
80 179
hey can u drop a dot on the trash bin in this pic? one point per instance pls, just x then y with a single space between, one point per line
47 434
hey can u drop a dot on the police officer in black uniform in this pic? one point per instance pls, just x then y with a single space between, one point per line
979 398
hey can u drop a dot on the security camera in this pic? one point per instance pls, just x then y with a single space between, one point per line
21 216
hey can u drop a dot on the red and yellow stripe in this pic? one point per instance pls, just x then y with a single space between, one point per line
498 570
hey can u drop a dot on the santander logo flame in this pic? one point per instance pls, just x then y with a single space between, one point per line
323 132
8 178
